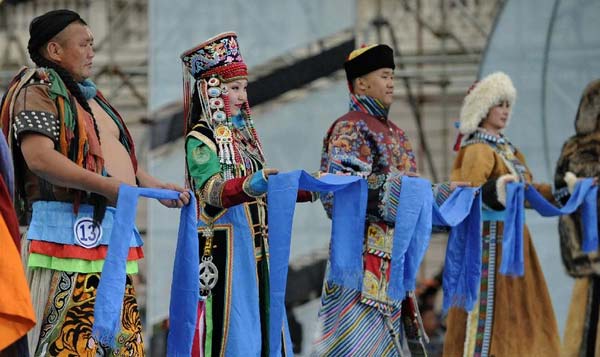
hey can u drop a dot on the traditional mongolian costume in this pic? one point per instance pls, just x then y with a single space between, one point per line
224 168
514 315
365 142
580 156
65 244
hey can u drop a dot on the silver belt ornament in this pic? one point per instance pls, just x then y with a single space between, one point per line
209 274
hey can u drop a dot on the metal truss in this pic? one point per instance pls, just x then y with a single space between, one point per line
120 30
438 46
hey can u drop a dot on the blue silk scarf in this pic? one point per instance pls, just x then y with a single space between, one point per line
417 212
585 195
411 234
348 220
185 288
462 267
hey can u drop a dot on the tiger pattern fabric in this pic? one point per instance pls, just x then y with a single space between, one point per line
69 315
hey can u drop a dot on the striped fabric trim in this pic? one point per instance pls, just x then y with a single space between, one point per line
486 295
441 192
77 252
348 327
369 105
74 265
379 253
390 195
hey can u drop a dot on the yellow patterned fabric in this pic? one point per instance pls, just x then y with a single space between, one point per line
69 315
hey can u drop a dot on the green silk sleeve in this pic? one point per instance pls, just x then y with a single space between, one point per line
202 162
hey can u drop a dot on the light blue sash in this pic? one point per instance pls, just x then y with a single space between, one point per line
53 222
185 288
244 335
492 215
585 195
348 220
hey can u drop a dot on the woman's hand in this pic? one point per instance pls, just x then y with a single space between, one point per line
269 172
455 184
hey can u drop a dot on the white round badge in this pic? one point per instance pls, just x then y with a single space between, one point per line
87 232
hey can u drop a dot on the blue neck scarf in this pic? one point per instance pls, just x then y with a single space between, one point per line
585 195
185 288
88 88
348 226
462 266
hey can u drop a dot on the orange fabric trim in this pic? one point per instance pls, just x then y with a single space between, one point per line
16 310
64 148
73 251
82 136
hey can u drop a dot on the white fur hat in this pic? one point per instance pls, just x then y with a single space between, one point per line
488 92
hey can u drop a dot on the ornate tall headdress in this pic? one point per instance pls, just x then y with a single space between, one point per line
206 68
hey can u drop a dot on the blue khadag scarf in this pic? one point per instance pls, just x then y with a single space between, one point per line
585 195
462 266
348 220
185 288
411 234
417 212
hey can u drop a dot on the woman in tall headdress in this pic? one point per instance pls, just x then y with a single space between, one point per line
513 315
227 170
580 157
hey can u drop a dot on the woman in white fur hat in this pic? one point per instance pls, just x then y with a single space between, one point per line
514 315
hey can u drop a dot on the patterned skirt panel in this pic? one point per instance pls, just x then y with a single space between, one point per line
66 329
480 320
347 327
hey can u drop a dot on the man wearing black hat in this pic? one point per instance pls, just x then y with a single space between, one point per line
72 151
366 143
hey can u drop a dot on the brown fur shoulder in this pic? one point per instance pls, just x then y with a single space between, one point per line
581 156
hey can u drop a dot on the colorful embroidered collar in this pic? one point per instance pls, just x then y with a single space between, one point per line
369 105
482 136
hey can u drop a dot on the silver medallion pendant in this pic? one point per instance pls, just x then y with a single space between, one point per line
209 275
